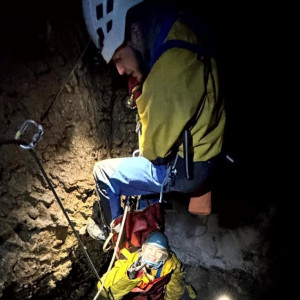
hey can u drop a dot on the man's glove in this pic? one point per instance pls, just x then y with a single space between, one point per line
134 268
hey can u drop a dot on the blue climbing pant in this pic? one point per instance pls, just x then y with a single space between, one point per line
134 176
128 176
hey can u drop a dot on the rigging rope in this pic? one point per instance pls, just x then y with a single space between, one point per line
65 82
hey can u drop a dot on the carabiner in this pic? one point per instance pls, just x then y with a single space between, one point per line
36 137
136 153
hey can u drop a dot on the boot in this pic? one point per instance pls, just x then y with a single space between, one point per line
97 232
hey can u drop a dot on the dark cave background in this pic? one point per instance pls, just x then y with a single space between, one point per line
41 42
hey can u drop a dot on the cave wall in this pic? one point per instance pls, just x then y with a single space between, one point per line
45 77
50 73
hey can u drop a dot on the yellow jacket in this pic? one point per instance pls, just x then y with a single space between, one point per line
170 95
118 284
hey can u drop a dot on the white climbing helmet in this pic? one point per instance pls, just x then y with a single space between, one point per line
106 21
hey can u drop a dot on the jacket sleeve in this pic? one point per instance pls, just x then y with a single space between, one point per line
116 280
175 287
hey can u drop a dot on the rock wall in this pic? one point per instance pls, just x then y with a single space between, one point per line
50 73
47 77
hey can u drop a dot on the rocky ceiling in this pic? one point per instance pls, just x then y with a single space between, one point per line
51 73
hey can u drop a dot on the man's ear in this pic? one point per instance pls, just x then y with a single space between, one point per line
136 34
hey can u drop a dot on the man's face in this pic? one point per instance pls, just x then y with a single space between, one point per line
127 62
153 253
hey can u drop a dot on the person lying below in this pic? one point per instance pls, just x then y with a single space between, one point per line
152 272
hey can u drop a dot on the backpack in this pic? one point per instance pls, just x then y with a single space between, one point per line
207 38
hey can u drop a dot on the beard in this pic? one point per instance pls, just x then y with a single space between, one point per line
143 62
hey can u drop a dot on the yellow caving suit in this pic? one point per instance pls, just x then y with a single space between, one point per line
118 284
170 95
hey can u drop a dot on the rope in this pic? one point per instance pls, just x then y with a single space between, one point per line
115 250
65 82
64 211
170 170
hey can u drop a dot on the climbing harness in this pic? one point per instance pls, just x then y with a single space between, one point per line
29 146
